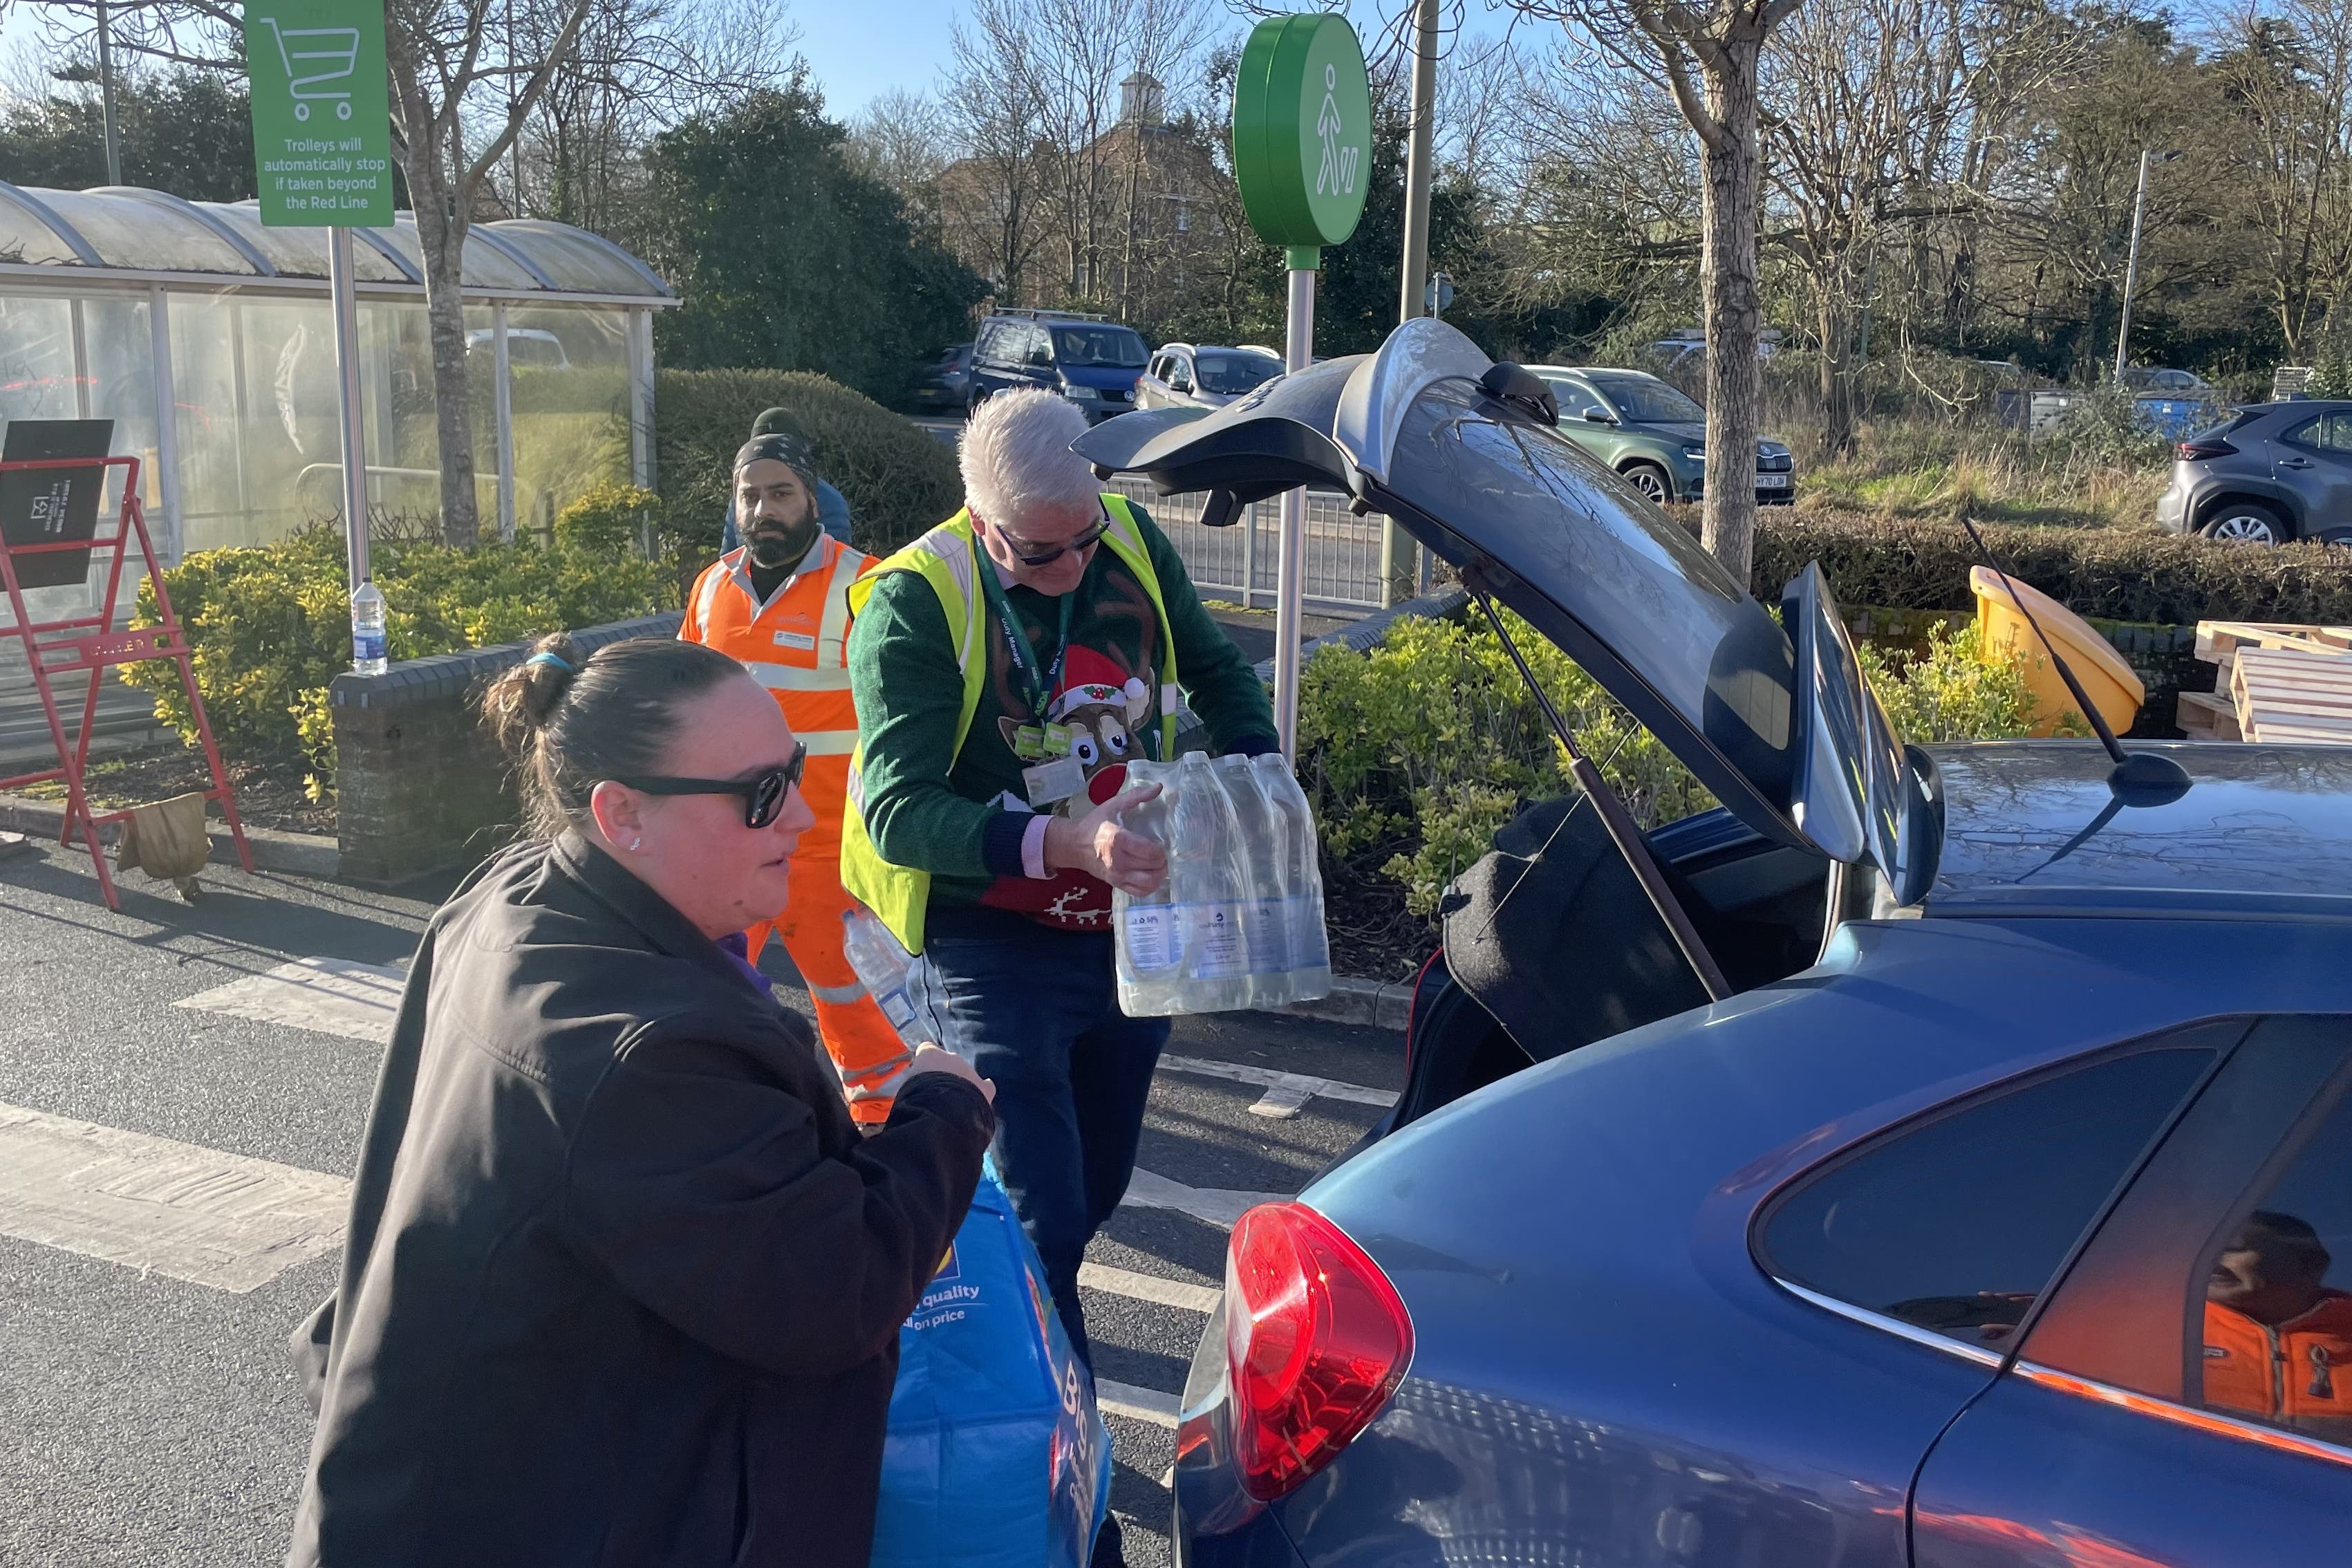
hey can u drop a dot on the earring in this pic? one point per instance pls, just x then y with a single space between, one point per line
636 844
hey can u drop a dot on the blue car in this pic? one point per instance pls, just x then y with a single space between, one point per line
1090 360
1932 1158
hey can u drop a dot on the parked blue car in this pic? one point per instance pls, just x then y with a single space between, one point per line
1996 1209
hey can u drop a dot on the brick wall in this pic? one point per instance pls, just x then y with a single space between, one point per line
419 785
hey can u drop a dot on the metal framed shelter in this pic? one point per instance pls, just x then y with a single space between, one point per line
207 340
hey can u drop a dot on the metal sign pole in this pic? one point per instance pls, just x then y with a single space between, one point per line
1299 353
344 302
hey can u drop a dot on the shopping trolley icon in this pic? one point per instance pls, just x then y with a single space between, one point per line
327 54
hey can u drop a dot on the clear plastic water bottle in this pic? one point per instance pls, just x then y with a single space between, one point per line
1205 865
1148 928
1302 879
1264 918
898 984
367 630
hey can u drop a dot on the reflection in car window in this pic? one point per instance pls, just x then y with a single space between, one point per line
1572 398
1235 374
1111 346
2329 433
1649 401
2278 1303
1956 1224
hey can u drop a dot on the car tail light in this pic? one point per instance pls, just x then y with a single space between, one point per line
1315 1340
2208 447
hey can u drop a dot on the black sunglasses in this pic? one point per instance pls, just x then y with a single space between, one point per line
763 797
1015 543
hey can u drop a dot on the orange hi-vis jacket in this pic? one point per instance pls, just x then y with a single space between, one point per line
2297 1374
796 644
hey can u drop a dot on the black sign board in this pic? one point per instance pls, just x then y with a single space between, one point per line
52 506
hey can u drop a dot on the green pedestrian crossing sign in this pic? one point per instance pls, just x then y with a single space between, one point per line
321 117
1303 129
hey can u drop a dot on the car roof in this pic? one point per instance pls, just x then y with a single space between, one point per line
2032 827
1593 370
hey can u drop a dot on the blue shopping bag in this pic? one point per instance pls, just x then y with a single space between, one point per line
996 1457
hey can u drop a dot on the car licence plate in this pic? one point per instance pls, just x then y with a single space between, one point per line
1773 481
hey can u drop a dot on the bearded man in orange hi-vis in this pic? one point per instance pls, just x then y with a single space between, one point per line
779 605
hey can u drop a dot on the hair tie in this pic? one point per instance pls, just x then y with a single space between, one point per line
562 664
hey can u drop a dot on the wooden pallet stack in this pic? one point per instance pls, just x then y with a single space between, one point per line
2278 683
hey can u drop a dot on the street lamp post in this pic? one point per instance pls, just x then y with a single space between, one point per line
2131 266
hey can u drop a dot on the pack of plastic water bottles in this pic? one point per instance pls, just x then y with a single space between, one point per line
1239 921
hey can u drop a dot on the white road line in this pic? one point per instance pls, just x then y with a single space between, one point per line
1219 1207
331 995
1285 1092
1147 1287
1137 1404
210 1218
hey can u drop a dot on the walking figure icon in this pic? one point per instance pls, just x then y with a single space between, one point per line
327 54
1337 174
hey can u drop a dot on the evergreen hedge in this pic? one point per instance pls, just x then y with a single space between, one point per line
2111 573
898 479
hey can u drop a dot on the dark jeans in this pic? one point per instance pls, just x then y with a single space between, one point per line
1038 1010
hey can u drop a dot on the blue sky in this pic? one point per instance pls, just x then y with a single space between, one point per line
858 49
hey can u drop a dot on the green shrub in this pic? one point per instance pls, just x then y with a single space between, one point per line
271 627
2113 574
898 477
608 518
1947 693
1417 751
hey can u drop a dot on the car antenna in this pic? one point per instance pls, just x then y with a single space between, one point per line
1620 822
2139 778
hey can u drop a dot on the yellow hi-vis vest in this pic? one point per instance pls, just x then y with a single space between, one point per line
948 558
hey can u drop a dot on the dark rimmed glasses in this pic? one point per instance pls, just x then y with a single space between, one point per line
763 795
1032 554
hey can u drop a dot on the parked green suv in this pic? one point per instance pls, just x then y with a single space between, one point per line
1652 433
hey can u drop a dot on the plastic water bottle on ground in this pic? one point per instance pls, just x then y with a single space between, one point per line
1302 879
1205 865
890 974
1149 930
367 630
1265 919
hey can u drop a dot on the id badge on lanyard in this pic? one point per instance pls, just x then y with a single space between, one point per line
1055 773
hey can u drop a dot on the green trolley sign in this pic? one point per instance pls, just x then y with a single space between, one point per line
321 118
1303 131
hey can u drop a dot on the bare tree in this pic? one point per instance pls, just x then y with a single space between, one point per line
902 139
990 197
2289 79
441 54
1085 50
1708 54
635 69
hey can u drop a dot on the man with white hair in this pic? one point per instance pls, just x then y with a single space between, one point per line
1005 666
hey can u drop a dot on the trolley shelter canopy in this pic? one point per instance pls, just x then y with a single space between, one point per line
206 338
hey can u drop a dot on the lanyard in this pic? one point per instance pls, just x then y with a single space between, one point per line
1025 662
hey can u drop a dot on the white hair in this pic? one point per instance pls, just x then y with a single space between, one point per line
1017 458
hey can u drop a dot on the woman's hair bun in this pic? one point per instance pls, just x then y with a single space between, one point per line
520 701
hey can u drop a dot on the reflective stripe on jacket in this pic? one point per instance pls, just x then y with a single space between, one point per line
796 645
948 558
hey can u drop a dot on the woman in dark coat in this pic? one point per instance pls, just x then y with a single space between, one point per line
623 1284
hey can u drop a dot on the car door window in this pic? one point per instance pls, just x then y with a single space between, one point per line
1179 373
1955 1222
2329 433
2276 1341
1573 398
